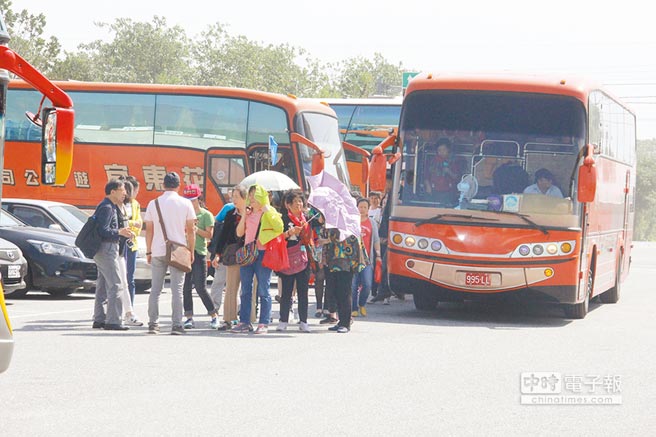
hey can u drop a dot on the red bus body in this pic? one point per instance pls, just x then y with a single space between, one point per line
448 247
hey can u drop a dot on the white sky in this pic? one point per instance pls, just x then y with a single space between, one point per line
611 42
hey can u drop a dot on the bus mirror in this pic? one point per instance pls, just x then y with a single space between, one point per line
377 170
318 163
57 145
587 187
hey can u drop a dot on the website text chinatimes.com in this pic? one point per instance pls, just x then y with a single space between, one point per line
555 388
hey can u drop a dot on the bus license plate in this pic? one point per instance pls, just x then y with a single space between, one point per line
478 279
13 271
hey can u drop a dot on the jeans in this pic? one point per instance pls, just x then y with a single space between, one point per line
263 275
108 285
364 279
158 269
197 279
131 259
340 283
301 279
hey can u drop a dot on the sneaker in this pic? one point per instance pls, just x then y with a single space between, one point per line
177 330
282 326
98 325
355 314
262 329
153 328
225 326
114 327
214 323
334 328
386 301
363 311
133 321
343 330
189 323
242 328
328 321
304 327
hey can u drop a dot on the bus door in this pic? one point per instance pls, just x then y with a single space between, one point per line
259 159
225 167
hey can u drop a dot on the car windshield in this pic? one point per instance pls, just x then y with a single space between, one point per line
72 217
9 220
485 151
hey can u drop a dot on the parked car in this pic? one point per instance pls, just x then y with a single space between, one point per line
13 267
69 218
54 264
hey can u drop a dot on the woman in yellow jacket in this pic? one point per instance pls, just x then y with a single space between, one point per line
133 210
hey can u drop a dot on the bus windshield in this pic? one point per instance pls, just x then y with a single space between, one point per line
491 151
322 130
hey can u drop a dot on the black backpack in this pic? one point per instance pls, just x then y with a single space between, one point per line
89 240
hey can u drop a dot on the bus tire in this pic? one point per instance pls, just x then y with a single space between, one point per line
613 295
580 310
424 301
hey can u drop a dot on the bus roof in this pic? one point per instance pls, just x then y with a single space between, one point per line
576 87
288 102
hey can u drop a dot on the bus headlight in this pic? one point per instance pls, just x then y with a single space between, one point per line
538 250
422 244
436 246
397 239
524 250
565 248
410 241
552 249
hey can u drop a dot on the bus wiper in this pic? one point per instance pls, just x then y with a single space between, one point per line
436 218
524 217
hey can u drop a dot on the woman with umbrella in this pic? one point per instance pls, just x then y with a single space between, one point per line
260 222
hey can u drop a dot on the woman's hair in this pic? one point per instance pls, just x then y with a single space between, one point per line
128 191
241 190
363 199
289 197
133 181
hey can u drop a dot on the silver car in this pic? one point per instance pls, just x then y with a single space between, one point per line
69 218
13 267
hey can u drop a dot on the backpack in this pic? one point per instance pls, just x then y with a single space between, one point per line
89 240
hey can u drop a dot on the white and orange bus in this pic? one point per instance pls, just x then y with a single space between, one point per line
482 234
53 150
364 123
211 136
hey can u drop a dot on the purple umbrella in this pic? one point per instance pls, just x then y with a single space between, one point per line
330 196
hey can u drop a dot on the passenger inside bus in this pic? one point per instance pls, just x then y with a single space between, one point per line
544 184
510 178
442 173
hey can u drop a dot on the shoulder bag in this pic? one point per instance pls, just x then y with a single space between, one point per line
88 239
177 255
247 254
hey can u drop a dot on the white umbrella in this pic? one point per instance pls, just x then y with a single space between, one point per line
270 180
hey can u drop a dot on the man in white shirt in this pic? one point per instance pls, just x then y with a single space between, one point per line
179 219
544 184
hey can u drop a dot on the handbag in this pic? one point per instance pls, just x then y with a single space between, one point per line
88 240
229 254
177 255
247 254
275 255
298 260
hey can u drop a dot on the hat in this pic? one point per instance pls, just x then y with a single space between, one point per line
171 180
191 192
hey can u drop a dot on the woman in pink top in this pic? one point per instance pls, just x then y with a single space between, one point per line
262 222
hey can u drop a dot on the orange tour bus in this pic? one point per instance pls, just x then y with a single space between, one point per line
53 153
510 186
211 136
363 123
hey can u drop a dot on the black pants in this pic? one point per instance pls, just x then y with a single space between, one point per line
319 287
301 279
197 277
340 284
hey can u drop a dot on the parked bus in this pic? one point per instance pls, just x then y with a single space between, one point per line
54 149
364 123
464 222
212 136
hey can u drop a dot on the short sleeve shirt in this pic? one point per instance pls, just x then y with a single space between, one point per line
205 220
176 211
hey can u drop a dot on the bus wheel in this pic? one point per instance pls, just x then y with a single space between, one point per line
579 310
424 301
613 295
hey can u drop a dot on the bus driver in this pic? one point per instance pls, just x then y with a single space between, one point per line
544 184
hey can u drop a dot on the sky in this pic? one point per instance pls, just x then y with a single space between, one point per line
610 42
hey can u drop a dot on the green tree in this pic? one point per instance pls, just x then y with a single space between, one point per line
645 201
235 61
140 52
26 31
361 77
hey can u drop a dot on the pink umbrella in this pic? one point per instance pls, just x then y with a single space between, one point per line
330 196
